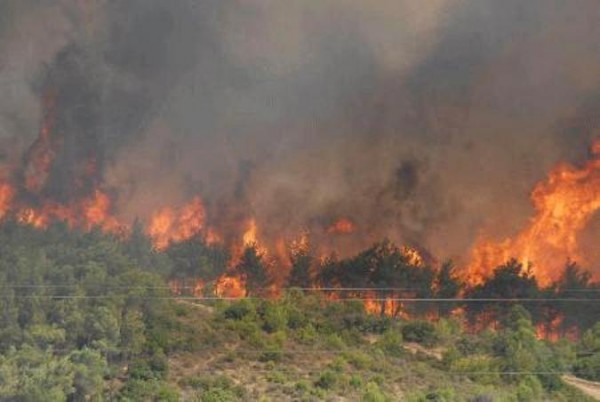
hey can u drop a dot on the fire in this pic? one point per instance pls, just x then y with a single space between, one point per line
250 235
564 203
551 331
6 196
230 286
169 225
249 239
413 256
341 226
96 213
212 237
180 288
89 213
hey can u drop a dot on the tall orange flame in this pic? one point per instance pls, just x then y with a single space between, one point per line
169 225
564 203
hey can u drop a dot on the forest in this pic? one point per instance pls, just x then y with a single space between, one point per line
89 316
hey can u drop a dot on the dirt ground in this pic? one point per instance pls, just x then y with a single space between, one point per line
589 388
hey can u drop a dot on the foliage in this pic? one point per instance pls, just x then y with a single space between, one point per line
87 317
420 332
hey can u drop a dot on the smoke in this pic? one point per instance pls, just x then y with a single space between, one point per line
427 123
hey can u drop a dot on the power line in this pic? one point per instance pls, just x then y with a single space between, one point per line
337 299
328 289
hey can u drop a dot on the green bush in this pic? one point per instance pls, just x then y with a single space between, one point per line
151 390
422 332
588 367
374 394
482 369
391 343
529 389
217 395
327 380
307 335
239 310
151 368
360 360
274 318
214 388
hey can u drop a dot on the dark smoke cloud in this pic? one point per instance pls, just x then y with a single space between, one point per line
426 123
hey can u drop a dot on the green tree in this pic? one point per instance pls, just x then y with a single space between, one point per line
507 284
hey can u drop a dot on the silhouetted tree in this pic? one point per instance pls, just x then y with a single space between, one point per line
300 274
253 270
575 283
507 283
447 286
194 260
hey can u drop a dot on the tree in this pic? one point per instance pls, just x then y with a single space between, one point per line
507 284
302 262
575 283
88 378
447 286
253 271
194 260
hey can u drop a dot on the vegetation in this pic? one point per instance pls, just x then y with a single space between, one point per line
90 317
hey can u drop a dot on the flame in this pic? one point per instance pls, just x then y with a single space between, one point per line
564 203
413 256
341 226
96 212
549 331
179 287
169 225
250 238
230 286
7 193
212 237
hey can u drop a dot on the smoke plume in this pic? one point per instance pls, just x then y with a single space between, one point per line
426 123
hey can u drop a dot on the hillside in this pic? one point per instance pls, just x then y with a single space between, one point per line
299 350
90 317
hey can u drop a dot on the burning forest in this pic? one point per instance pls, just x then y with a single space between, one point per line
345 196
275 150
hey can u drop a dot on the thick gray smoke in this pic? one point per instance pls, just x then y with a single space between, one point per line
426 123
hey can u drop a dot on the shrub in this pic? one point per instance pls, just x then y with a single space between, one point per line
326 380
274 318
481 369
217 395
391 343
276 377
588 368
239 310
152 368
359 360
334 341
422 332
152 390
307 335
529 389
214 389
374 394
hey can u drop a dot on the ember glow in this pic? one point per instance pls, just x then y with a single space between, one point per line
341 226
